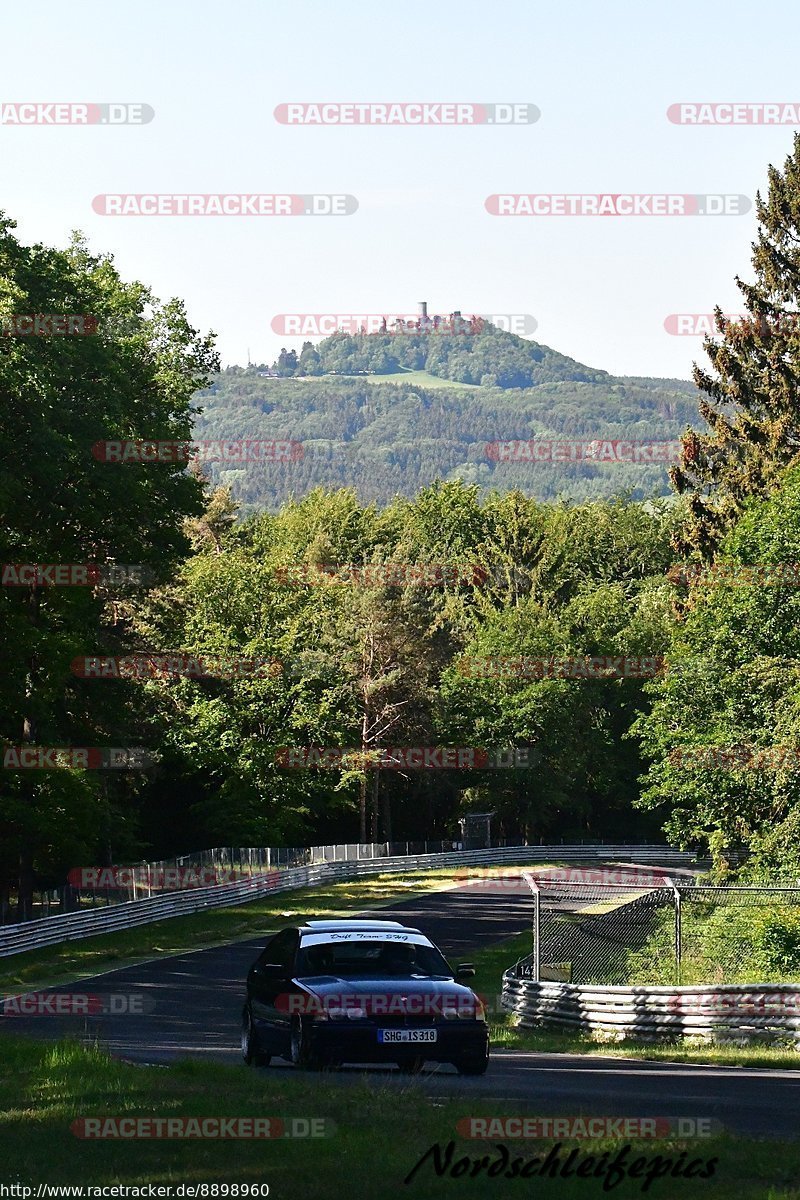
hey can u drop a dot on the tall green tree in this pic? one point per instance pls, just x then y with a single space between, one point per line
723 733
132 379
749 399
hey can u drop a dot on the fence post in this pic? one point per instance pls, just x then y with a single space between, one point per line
678 932
537 933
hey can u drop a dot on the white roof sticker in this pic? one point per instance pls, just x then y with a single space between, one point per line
331 937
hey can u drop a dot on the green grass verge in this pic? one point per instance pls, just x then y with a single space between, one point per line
380 1135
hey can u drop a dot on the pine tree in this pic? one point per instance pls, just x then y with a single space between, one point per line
750 401
209 529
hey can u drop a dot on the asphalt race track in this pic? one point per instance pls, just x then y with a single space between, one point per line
197 997
195 1002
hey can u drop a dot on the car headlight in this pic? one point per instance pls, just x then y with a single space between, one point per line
341 1014
475 1012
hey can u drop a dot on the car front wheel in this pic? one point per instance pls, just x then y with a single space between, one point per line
252 1053
302 1055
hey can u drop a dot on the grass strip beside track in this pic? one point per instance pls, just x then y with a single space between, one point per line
380 1135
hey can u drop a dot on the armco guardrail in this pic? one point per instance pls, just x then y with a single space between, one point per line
723 1012
49 931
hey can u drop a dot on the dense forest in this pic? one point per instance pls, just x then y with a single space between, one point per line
393 438
398 610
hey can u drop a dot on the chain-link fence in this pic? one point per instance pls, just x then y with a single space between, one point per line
678 933
739 935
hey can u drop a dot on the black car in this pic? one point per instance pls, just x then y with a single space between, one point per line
331 992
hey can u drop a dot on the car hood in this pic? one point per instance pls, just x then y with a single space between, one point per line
323 985
379 998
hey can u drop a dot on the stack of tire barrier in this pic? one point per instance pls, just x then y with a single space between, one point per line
726 1012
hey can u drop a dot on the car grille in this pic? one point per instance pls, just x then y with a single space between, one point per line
401 1021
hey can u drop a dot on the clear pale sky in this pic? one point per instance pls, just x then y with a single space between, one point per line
602 75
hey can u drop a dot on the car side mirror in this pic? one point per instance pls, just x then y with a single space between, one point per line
465 971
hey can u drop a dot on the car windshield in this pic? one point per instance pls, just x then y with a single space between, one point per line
372 958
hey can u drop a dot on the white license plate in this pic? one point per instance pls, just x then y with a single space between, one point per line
406 1035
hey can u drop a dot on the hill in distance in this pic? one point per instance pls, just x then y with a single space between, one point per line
389 413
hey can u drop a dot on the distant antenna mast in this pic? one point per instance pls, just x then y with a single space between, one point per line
248 357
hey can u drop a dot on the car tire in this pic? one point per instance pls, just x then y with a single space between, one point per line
252 1053
411 1066
301 1054
472 1066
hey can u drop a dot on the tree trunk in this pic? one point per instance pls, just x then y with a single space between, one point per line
25 891
25 878
374 813
362 806
363 788
386 812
